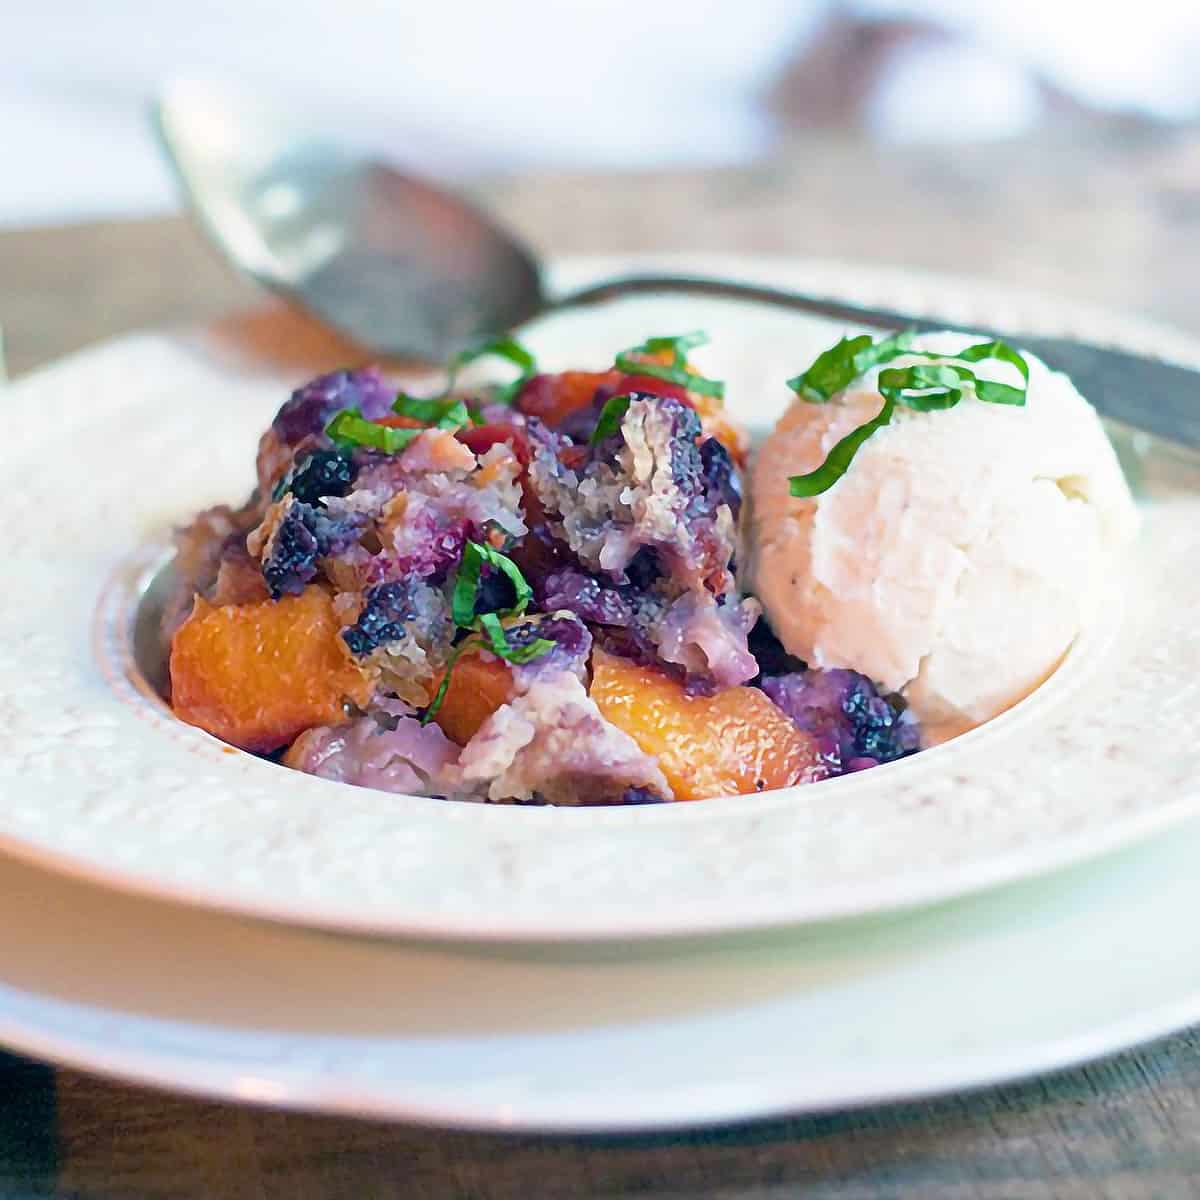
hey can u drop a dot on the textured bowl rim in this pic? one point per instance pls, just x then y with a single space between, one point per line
682 892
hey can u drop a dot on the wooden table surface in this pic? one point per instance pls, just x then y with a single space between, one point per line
1112 219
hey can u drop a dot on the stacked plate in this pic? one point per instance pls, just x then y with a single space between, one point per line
183 914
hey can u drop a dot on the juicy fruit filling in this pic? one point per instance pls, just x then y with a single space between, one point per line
524 594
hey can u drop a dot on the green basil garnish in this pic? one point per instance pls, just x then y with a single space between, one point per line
444 412
350 428
924 387
676 371
466 585
611 416
507 348
839 458
440 695
462 609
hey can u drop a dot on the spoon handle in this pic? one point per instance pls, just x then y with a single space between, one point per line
1147 393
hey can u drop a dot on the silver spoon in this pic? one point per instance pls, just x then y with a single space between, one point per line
410 271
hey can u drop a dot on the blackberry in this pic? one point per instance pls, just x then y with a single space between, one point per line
303 536
321 474
386 608
292 560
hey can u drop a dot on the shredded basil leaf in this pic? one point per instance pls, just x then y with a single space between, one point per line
507 348
679 376
840 457
350 428
924 387
676 346
490 624
916 387
1001 351
466 585
837 368
499 645
442 412
443 687
455 417
522 590
832 370
884 350
420 409
611 416
676 371
988 390
466 593
999 393
535 649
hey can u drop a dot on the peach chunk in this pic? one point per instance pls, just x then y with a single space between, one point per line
256 675
733 743
478 686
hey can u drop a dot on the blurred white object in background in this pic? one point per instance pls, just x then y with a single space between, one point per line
1107 54
454 88
915 89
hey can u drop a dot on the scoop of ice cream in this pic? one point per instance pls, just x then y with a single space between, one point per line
959 555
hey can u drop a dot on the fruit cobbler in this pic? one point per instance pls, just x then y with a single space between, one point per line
523 592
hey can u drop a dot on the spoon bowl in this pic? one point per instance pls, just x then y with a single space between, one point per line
403 267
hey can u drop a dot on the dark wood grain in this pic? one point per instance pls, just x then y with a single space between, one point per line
1110 221
1125 1129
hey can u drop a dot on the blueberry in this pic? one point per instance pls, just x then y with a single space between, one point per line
843 711
640 795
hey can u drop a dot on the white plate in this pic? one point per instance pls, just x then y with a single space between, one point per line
605 1037
106 450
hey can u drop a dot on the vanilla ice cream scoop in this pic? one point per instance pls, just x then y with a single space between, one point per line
961 551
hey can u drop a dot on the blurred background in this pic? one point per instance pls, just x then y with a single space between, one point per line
1053 145
473 86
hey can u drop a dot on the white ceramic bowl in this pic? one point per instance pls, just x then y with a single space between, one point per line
108 449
